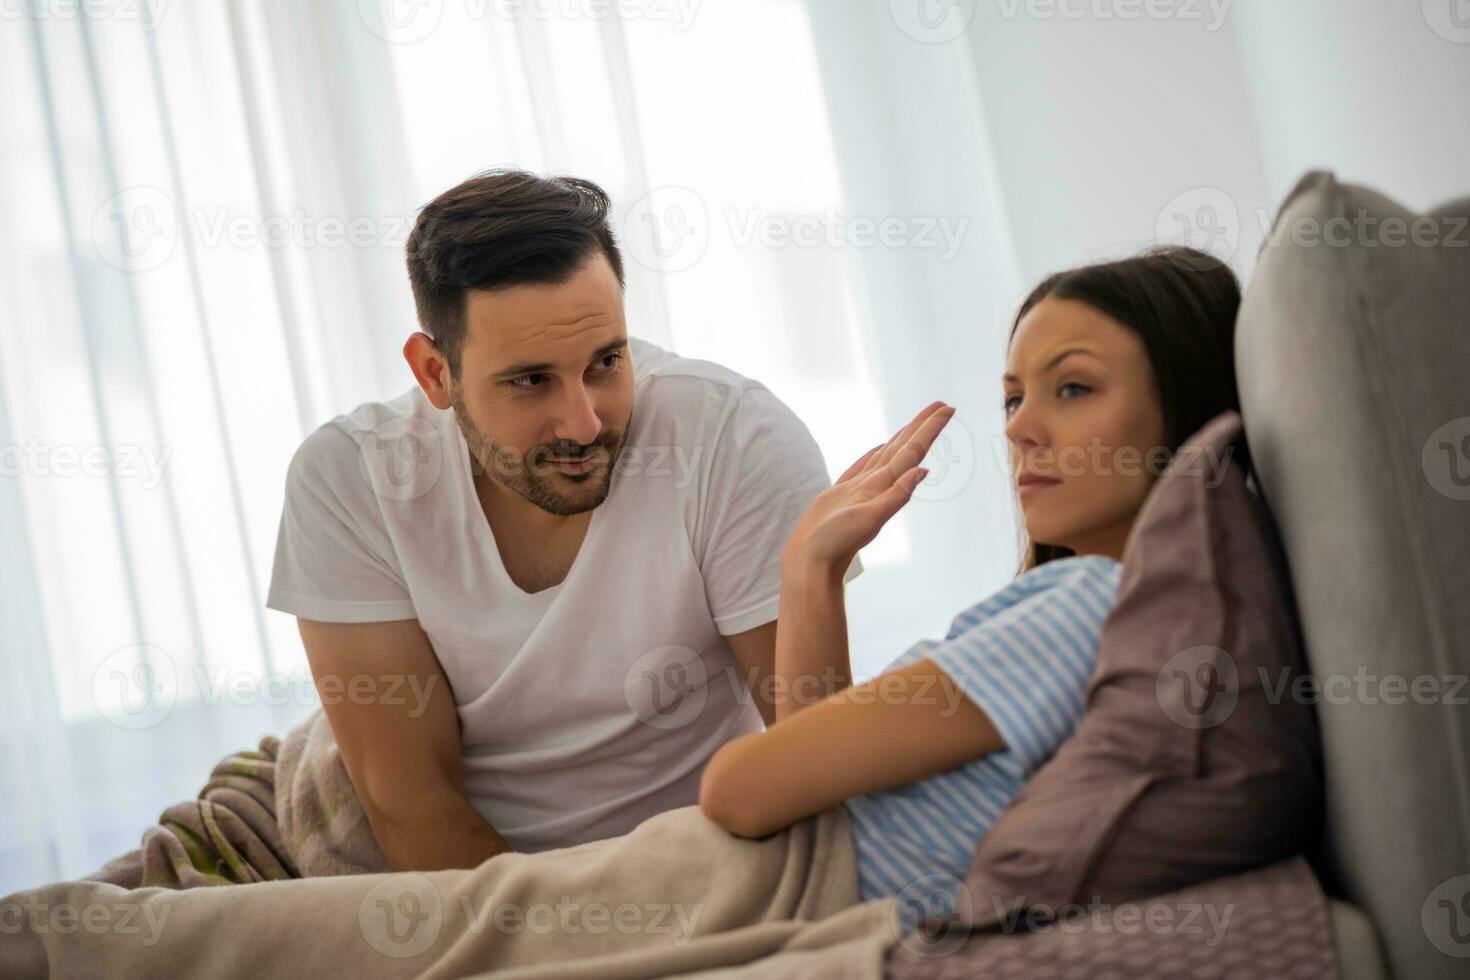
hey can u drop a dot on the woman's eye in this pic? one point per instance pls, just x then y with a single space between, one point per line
1010 403
1073 384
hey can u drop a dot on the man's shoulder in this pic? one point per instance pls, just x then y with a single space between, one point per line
672 375
696 398
342 453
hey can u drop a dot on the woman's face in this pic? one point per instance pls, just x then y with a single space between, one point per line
1082 412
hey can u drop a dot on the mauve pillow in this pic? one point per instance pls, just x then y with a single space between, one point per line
1197 755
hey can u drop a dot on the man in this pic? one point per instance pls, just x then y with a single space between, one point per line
568 538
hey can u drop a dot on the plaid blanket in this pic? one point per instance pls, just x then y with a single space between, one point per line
286 809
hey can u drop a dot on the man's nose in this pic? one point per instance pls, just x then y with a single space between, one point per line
576 419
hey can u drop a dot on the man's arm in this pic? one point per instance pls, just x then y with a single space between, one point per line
398 731
755 652
806 658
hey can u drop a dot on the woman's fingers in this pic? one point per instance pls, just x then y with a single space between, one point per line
901 438
882 464
857 467
912 452
919 444
891 500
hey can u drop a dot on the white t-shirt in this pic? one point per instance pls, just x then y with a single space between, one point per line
589 706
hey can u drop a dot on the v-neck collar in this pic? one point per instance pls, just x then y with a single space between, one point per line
486 533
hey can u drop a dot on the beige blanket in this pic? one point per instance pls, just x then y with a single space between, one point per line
676 895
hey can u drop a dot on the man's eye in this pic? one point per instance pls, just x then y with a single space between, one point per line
614 357
528 381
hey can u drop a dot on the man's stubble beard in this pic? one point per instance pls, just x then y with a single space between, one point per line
512 470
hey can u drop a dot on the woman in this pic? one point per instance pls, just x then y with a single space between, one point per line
1109 368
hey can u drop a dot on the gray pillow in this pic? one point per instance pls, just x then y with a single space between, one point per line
1193 759
1353 352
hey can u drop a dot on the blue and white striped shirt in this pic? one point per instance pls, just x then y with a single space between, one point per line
1025 656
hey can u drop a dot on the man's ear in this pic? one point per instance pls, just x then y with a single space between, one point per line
429 366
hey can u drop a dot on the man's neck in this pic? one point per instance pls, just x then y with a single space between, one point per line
506 507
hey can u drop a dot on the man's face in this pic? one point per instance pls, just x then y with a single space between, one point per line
545 391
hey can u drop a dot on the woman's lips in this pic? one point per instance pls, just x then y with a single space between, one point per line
1031 484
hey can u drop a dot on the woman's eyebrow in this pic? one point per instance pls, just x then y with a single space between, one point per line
1054 361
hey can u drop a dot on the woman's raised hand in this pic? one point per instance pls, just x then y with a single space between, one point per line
850 513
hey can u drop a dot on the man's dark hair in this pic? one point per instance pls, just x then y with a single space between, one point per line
501 228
